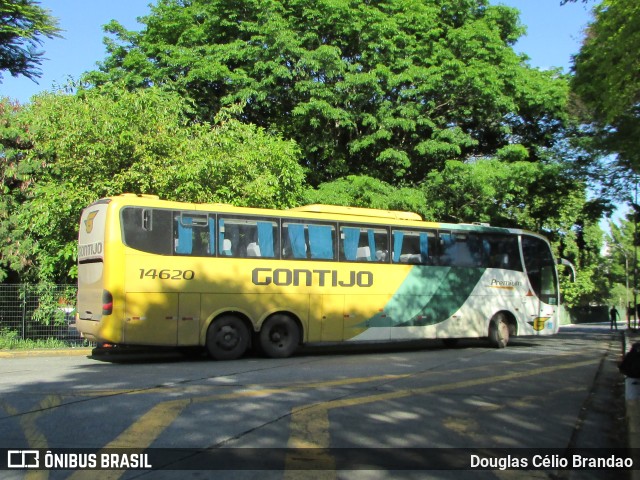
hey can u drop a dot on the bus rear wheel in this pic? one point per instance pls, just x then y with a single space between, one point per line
279 336
227 338
499 331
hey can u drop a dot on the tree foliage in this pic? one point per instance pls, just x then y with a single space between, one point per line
71 150
368 192
536 196
389 89
23 24
621 258
606 79
418 105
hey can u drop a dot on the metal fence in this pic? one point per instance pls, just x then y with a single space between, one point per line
39 312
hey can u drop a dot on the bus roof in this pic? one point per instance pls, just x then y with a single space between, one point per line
358 211
318 211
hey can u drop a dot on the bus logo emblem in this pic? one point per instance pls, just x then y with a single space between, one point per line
539 323
88 223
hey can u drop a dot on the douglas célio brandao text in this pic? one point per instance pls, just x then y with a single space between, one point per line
541 461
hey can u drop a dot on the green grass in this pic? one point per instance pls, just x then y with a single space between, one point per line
10 340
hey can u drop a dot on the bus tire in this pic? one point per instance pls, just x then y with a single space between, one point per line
279 336
499 331
227 338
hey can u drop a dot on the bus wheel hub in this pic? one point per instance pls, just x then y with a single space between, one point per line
228 337
276 337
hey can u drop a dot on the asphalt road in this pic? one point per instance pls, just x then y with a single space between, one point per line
325 413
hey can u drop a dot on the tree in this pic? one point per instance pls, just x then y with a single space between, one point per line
12 181
386 89
620 254
606 80
537 196
23 24
76 149
368 192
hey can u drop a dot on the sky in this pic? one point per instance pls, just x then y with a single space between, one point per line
80 49
554 34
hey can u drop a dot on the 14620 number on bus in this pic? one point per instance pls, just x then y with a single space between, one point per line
167 274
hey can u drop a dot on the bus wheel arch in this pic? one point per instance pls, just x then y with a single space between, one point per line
228 336
280 335
502 327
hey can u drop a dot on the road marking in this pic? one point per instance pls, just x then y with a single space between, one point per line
143 432
34 437
310 423
250 390
312 433
139 435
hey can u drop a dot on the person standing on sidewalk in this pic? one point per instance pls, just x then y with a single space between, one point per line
613 315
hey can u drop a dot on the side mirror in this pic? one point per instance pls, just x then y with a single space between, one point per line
567 263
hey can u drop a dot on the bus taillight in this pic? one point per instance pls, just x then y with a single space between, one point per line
107 302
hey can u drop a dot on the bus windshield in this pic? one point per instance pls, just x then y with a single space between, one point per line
541 269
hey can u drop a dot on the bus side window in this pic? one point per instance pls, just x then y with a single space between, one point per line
295 242
224 244
308 240
267 235
458 250
192 234
465 249
321 241
478 254
146 229
503 252
414 247
247 237
184 238
364 244
446 248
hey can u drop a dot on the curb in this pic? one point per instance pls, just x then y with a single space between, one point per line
51 352
632 410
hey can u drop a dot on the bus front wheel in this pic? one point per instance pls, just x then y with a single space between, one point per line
279 336
499 331
227 338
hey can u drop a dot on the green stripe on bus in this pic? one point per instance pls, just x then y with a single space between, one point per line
429 295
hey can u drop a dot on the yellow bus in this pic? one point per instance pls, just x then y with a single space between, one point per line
225 278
